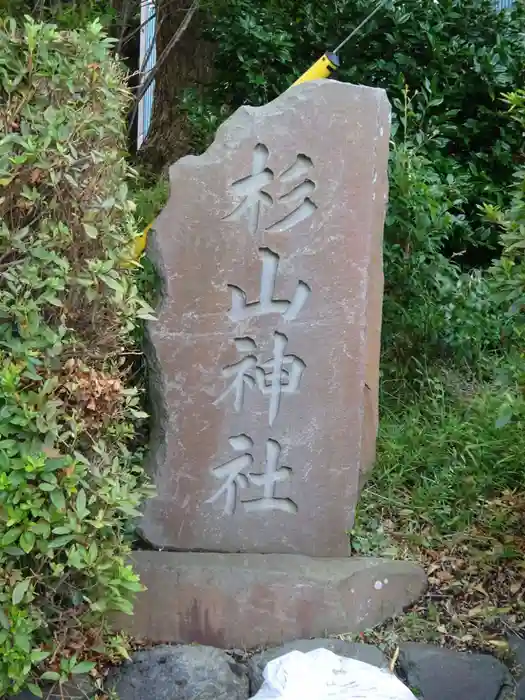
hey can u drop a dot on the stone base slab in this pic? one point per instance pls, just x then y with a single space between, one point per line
251 600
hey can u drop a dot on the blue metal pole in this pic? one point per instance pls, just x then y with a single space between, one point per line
147 61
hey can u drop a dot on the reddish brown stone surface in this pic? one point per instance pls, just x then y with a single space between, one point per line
266 349
249 600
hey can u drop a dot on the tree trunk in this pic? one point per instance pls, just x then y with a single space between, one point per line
189 64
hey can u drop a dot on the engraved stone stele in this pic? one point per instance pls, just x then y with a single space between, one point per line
265 353
264 379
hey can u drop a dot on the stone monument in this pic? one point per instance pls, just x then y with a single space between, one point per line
264 362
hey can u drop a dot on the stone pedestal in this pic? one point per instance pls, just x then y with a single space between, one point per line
250 600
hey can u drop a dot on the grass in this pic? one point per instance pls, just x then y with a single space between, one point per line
149 198
447 491
447 452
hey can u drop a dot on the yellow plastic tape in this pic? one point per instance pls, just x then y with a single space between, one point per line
139 246
322 68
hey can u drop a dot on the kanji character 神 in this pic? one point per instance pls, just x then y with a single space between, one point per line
281 374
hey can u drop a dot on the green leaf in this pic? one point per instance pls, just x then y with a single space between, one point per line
132 585
62 530
505 415
138 414
27 541
112 283
83 667
50 676
38 656
91 231
146 316
61 541
11 535
81 509
20 590
35 689
58 499
23 642
53 300
92 552
74 558
41 528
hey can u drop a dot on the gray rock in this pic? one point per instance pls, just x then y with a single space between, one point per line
520 690
433 673
24 695
180 673
350 650
517 647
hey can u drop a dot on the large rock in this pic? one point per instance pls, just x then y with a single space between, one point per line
247 600
433 673
350 650
265 355
180 673
517 647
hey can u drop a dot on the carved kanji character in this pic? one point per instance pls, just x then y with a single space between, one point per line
299 194
273 378
267 304
240 371
251 188
231 471
235 478
272 475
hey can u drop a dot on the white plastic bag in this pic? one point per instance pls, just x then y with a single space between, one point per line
322 675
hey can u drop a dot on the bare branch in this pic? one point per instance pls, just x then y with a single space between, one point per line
127 9
160 6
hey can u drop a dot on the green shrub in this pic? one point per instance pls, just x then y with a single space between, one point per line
67 14
431 307
455 56
149 200
68 483
508 271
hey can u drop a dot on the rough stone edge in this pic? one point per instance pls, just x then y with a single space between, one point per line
375 300
155 381
246 115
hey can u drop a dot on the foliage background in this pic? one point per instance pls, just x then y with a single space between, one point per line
69 483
